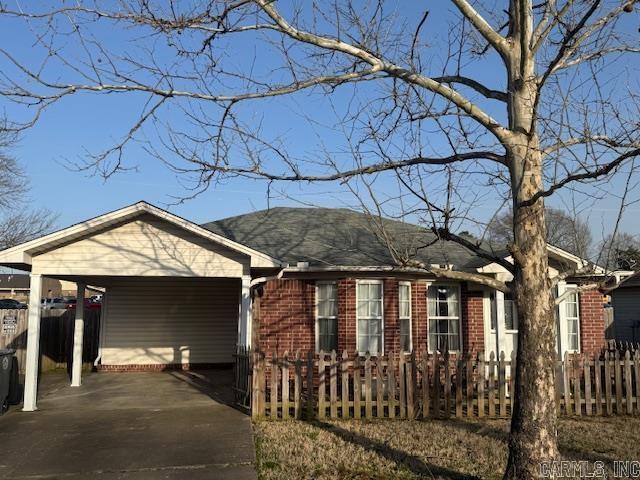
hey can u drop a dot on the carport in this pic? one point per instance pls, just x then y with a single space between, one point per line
177 295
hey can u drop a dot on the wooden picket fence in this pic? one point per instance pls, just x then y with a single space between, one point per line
412 386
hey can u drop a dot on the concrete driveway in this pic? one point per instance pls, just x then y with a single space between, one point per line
134 426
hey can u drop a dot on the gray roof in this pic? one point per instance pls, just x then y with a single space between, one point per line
336 237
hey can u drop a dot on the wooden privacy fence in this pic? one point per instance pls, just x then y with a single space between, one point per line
56 336
436 385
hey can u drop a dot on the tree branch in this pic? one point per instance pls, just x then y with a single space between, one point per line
490 35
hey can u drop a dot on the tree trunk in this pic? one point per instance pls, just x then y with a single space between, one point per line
533 423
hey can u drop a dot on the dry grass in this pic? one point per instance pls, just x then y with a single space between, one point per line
376 450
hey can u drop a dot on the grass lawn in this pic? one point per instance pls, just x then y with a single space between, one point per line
382 449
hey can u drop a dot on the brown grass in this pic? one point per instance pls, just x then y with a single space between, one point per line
379 449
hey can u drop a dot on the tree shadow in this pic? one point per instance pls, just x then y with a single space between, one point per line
401 458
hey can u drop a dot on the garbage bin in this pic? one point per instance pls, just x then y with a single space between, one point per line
6 369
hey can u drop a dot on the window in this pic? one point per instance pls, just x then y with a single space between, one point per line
510 313
444 317
494 310
369 312
327 317
572 317
404 301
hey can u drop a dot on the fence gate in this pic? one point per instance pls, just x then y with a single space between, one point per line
242 375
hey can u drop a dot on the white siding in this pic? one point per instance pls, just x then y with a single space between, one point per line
171 322
146 246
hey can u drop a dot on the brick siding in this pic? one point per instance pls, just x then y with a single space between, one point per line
591 321
287 317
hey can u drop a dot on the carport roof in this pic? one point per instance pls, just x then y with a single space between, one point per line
20 256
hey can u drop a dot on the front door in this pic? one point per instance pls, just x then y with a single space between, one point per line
501 324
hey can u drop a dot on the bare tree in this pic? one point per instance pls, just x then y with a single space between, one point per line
564 230
18 223
414 106
621 251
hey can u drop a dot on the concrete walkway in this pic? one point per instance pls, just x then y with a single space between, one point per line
130 426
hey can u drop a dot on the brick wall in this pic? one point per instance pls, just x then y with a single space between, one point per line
419 315
347 315
472 320
287 316
591 321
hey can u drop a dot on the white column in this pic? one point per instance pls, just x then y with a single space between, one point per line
244 322
501 341
78 334
33 345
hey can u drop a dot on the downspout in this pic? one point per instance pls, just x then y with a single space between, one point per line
103 316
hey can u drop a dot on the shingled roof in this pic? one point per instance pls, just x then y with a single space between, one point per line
336 237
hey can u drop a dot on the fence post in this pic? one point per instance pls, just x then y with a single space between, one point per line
481 378
447 385
512 381
391 375
636 368
597 375
379 388
607 384
357 387
567 384
587 384
402 380
426 389
618 372
436 384
577 374
321 386
273 396
411 386
297 384
257 397
345 384
368 407
492 393
459 369
285 385
333 385
628 381
310 385
502 384
469 385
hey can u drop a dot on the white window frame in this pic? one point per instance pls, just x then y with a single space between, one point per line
370 282
410 317
335 317
514 312
563 319
430 318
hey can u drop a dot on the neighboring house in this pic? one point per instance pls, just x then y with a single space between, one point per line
16 286
625 300
178 294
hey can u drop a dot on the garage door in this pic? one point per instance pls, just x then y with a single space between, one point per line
163 322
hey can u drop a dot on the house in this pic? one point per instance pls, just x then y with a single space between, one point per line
180 294
16 286
625 300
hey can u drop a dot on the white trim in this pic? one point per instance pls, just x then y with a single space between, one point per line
78 336
429 318
244 312
410 318
21 254
371 282
33 345
335 317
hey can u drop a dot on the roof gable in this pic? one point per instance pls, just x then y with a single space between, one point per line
22 255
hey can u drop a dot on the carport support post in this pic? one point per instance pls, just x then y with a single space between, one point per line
33 344
244 323
78 334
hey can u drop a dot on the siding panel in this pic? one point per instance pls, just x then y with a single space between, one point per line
171 323
626 312
146 246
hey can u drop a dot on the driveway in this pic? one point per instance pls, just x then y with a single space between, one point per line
134 426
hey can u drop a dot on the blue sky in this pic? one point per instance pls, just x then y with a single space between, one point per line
94 122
